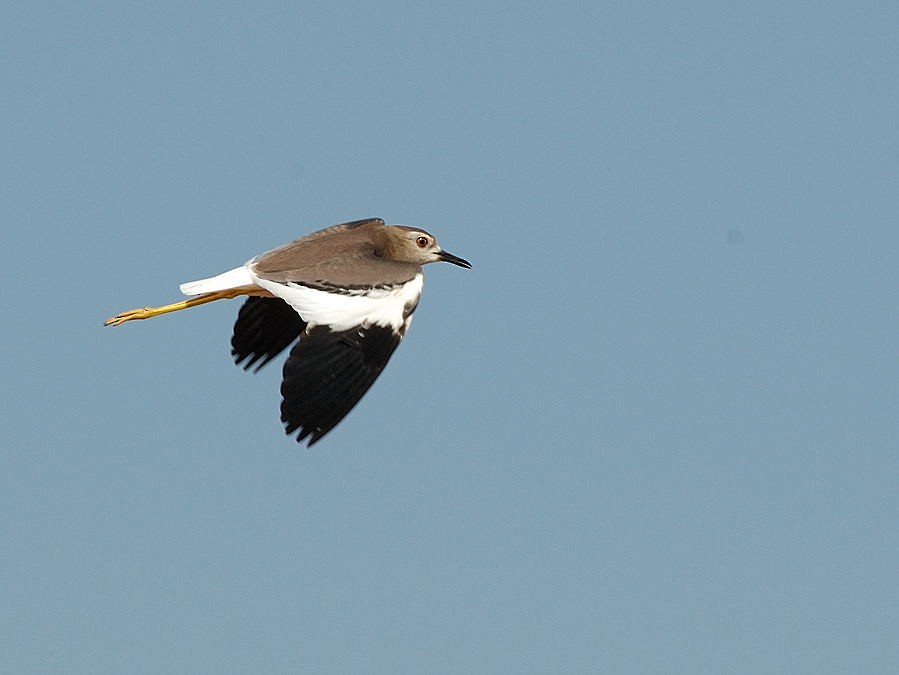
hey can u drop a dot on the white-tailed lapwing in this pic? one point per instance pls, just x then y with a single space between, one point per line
345 295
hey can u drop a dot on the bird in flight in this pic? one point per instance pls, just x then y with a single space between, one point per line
342 296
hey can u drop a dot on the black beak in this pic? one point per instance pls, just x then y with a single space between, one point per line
454 259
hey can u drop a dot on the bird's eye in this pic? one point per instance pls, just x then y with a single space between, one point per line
422 242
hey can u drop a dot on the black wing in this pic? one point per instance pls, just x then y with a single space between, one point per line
328 372
264 328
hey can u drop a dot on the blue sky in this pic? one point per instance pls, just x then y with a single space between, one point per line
653 430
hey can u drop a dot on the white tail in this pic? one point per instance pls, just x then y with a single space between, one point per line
236 278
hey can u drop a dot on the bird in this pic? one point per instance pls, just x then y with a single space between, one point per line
342 298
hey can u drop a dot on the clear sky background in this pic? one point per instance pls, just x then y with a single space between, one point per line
655 429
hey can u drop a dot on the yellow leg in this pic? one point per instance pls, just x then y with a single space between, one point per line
150 312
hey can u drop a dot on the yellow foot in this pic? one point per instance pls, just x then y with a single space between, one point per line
130 315
149 312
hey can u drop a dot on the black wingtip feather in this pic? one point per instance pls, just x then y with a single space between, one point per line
326 375
264 328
